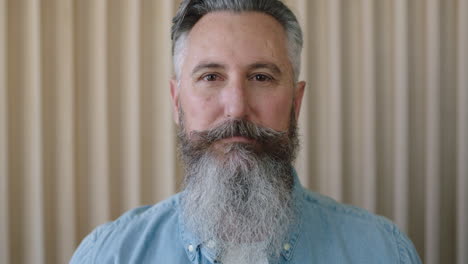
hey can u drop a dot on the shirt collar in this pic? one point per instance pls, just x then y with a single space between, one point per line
295 229
192 244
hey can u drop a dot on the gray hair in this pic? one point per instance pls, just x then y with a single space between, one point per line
243 200
190 11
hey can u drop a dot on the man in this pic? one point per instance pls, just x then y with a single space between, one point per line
236 99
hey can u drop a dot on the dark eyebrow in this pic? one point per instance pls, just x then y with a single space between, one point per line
207 65
265 65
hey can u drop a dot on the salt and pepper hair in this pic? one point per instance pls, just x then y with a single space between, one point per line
191 11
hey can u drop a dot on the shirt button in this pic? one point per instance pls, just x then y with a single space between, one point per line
190 248
287 246
210 244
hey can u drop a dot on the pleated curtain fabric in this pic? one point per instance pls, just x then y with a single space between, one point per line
86 126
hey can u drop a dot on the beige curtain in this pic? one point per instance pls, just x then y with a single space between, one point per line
86 130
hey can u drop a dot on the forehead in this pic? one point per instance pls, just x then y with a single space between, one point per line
237 39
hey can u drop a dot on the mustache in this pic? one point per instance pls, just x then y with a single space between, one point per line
237 128
281 146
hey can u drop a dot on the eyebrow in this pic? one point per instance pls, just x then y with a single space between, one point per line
255 66
265 65
208 65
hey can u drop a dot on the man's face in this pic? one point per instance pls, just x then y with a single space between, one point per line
236 107
236 66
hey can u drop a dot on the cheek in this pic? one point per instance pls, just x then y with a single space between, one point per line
275 111
199 111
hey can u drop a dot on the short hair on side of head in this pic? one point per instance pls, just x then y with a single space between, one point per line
191 11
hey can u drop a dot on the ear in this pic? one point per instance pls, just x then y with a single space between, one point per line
298 95
175 100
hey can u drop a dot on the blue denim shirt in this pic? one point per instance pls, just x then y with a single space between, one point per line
326 232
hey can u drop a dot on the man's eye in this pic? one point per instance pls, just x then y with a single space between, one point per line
261 78
210 77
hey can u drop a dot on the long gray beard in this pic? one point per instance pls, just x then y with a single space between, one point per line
241 198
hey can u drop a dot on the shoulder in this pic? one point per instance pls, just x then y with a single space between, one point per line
126 230
149 213
353 229
342 212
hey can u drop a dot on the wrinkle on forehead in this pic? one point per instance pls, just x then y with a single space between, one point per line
240 38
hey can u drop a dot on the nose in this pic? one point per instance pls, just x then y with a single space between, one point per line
236 101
